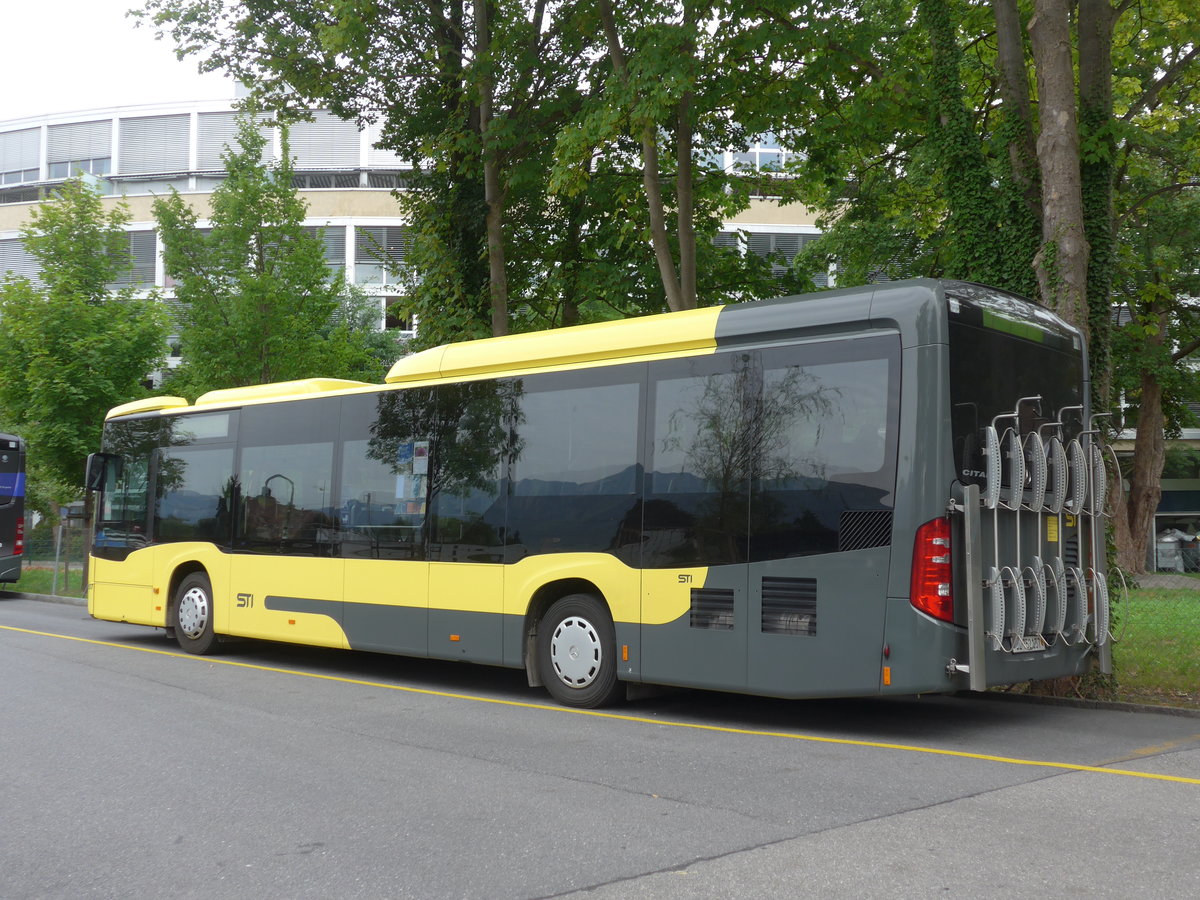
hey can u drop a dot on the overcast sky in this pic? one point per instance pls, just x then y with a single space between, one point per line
66 55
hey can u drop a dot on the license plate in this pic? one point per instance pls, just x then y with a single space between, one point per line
1028 643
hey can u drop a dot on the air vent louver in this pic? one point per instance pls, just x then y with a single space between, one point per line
789 606
712 608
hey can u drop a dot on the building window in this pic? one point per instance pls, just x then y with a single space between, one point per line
18 176
100 165
19 155
155 144
324 180
22 195
379 253
392 181
397 317
780 249
143 251
325 142
16 260
333 237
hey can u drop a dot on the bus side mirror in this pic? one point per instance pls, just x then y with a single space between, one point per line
98 469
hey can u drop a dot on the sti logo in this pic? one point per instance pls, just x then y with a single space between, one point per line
245 601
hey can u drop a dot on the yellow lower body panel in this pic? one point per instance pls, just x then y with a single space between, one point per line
133 603
295 599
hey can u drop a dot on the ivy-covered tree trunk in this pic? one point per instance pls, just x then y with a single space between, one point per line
1022 193
1062 262
1096 21
1016 91
969 193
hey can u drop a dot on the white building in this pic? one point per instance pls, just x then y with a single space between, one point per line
137 153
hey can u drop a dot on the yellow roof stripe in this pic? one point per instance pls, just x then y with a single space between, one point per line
625 338
150 404
232 396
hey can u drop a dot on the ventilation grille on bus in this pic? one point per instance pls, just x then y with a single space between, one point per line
863 528
712 608
1071 551
789 606
1071 560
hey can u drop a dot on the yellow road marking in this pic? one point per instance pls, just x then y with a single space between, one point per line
1165 746
644 720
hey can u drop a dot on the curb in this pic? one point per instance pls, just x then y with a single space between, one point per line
1081 703
44 598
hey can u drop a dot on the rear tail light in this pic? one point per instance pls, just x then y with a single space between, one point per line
932 572
19 543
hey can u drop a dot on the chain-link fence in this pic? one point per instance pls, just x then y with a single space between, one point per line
54 562
1156 632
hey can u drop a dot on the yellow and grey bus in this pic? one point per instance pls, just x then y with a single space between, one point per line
880 490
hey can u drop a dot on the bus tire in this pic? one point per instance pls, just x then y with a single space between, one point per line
192 614
576 652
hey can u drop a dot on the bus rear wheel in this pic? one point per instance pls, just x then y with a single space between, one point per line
192 614
576 652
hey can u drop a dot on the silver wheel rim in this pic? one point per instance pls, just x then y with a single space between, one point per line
193 612
575 652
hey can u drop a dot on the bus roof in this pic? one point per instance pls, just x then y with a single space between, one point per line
899 305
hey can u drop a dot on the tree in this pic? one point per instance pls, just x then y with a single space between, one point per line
520 199
1156 267
73 344
258 302
1054 173
465 90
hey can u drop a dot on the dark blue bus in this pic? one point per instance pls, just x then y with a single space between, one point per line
12 506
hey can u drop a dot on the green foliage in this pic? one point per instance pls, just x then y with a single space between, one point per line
576 230
257 301
907 153
1157 215
71 349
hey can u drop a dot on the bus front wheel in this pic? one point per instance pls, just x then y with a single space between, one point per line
193 614
576 652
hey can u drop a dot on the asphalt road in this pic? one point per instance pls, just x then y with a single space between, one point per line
133 770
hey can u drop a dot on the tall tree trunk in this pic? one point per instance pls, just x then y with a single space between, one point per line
1149 451
1062 262
1097 172
464 209
684 203
1015 91
684 185
493 192
651 176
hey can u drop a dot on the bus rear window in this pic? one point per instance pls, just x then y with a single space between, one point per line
990 373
